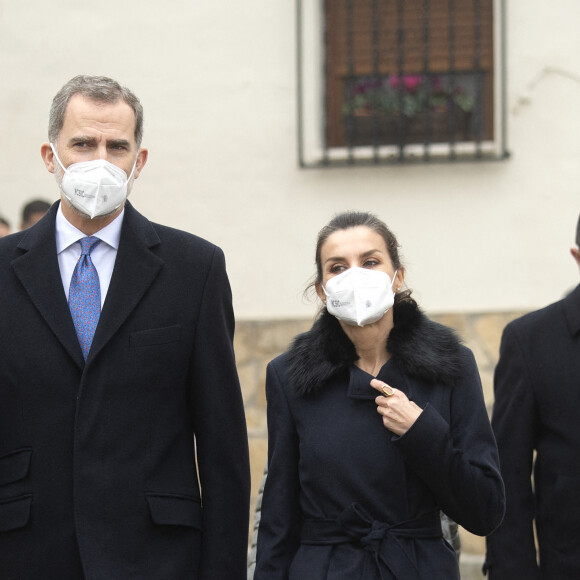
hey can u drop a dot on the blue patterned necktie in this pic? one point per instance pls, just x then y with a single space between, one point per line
84 298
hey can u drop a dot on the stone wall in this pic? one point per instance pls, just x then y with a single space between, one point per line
256 343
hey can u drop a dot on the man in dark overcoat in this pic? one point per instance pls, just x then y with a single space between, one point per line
537 426
123 446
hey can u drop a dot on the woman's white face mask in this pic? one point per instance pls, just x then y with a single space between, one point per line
359 296
94 188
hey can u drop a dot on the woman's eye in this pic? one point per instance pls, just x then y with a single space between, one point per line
336 269
370 263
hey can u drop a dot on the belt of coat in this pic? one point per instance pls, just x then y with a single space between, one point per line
354 524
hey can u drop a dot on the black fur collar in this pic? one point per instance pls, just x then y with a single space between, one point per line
420 347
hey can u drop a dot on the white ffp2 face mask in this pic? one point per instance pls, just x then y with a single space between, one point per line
95 188
359 296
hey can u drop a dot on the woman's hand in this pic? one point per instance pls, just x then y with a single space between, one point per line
397 411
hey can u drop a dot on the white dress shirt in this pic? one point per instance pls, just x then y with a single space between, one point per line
103 256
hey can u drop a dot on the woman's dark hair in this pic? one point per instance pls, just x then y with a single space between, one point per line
353 219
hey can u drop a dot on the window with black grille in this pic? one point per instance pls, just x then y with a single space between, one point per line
401 80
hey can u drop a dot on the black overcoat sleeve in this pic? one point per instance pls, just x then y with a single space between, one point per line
511 551
220 433
279 531
458 460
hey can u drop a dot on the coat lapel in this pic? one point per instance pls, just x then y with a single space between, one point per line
359 386
38 271
136 266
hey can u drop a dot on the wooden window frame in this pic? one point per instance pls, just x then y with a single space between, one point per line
348 50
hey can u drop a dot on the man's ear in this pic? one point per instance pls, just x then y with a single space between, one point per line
47 155
575 251
142 157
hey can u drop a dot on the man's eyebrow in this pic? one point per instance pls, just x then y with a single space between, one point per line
91 141
82 139
118 142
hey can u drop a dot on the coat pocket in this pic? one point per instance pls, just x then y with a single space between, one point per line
174 510
14 512
15 465
155 336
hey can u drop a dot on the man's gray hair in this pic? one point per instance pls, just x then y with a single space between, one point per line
96 88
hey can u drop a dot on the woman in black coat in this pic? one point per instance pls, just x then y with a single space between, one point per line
376 422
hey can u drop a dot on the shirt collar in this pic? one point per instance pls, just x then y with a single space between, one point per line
67 234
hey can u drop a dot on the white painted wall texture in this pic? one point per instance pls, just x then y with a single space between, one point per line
217 80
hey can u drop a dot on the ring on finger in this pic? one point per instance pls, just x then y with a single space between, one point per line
388 390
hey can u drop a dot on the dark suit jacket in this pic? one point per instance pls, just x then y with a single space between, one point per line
100 473
537 403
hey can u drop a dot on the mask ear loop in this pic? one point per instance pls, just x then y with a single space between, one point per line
391 287
133 170
62 167
58 158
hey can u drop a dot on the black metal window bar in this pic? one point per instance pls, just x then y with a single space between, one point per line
386 99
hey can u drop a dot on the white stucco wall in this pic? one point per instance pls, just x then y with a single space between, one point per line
217 80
